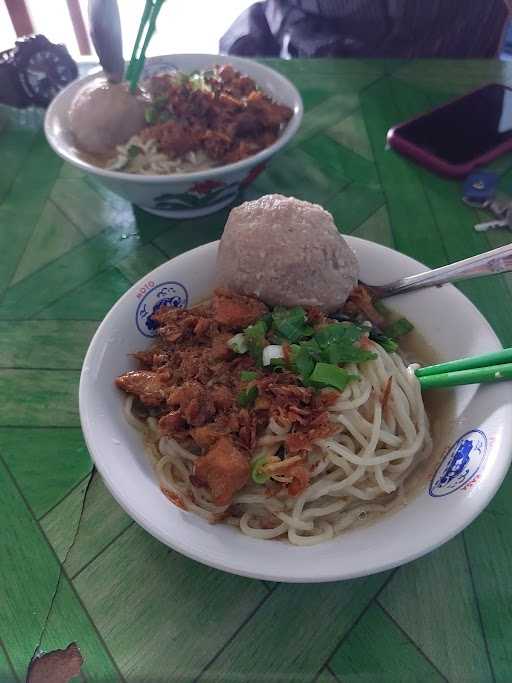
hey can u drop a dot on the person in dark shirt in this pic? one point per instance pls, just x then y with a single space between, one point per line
403 29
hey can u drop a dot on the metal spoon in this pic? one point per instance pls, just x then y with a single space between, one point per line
107 37
489 263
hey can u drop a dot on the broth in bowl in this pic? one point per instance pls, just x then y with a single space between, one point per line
191 122
173 181
296 415
300 439
470 452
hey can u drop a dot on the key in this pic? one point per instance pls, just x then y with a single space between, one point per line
499 208
505 221
479 191
479 188
491 225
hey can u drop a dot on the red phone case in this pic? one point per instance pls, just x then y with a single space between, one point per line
434 163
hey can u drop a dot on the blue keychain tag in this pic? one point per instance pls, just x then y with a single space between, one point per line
480 188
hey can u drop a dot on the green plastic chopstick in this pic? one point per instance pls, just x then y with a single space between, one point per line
142 25
504 356
491 373
489 367
146 30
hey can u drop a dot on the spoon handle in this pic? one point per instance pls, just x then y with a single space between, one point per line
489 263
107 38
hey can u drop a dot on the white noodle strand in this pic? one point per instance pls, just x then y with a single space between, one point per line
353 474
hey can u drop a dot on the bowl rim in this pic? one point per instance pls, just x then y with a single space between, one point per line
289 131
86 391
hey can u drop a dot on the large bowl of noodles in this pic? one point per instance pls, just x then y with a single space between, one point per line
185 192
471 430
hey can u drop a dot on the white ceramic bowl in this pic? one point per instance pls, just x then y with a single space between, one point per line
459 490
182 195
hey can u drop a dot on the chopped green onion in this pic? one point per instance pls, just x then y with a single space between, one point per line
348 354
255 340
238 343
328 375
291 323
196 81
248 375
150 115
302 361
387 343
133 151
380 308
337 333
313 349
398 328
276 338
246 398
257 474
272 352
336 342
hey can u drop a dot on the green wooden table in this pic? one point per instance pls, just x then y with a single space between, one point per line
74 567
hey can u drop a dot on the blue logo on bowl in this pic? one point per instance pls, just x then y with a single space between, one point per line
153 297
460 465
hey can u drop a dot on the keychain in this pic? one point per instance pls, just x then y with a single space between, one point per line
479 191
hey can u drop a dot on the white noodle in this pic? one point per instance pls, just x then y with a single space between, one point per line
139 156
355 473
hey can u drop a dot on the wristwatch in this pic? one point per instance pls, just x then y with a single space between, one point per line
33 72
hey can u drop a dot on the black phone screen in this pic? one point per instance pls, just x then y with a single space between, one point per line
465 129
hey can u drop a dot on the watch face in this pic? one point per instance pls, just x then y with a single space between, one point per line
45 73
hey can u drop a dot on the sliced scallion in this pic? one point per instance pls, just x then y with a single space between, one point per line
246 398
257 474
238 343
272 352
398 328
328 375
291 323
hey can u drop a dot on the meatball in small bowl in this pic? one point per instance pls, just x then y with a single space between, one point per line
198 129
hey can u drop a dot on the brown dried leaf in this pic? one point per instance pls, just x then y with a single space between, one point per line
58 666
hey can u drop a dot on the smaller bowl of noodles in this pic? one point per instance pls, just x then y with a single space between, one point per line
266 419
198 130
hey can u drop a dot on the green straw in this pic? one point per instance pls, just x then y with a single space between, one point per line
504 356
474 375
147 28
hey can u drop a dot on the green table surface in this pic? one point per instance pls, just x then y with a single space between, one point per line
74 567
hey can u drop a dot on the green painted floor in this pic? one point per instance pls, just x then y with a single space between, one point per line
74 567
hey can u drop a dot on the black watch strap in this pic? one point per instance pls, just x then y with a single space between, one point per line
21 84
11 90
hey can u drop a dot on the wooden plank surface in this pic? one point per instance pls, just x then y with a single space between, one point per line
73 566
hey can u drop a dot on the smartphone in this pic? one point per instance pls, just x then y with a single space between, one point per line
459 136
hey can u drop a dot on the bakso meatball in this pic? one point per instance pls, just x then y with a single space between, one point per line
286 252
104 115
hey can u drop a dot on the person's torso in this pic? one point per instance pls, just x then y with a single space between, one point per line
388 28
